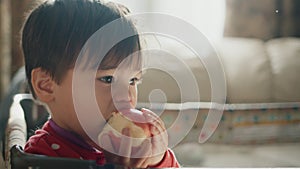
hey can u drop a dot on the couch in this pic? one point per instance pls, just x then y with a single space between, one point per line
263 91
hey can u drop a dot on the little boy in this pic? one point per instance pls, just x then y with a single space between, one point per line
52 38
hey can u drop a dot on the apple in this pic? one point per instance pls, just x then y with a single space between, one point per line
137 117
132 119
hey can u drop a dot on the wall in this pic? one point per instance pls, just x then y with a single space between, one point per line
262 19
12 15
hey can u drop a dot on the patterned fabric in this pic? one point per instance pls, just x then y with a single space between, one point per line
243 123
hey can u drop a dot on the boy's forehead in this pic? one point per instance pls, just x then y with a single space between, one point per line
120 71
128 63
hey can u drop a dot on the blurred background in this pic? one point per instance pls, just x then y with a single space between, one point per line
238 18
253 37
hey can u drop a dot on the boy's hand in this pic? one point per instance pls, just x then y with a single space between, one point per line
151 151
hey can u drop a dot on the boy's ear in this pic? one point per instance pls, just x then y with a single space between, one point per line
43 85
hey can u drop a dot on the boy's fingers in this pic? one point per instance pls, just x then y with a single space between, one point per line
159 145
144 150
159 133
153 119
139 163
157 128
149 115
141 156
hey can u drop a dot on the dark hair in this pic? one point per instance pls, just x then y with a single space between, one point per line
55 32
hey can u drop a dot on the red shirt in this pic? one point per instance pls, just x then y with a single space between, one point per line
54 141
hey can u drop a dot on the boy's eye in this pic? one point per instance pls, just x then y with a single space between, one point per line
110 79
106 79
135 81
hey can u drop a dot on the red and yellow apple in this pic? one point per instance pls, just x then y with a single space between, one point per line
133 120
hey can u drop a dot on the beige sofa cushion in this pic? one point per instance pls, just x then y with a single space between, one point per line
247 69
284 54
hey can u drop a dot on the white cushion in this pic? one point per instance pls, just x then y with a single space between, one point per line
284 54
247 70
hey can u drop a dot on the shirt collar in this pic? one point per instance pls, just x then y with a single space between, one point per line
70 136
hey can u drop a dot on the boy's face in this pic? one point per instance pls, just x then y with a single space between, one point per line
115 90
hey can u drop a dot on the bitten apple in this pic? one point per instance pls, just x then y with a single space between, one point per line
133 120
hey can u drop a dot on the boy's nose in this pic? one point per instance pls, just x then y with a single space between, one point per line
121 96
